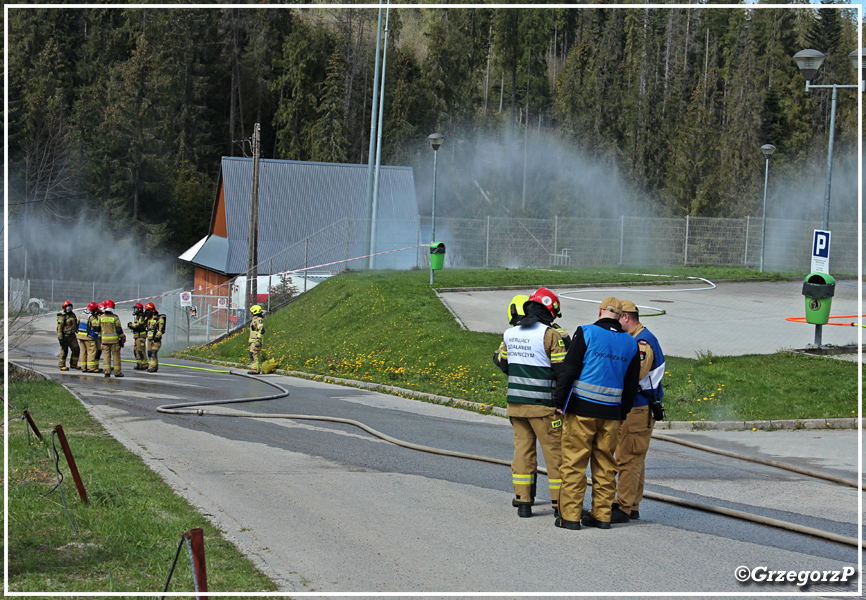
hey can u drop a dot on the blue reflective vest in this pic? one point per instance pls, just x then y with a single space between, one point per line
608 355
651 386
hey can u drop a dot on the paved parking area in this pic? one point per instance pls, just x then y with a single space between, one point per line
729 319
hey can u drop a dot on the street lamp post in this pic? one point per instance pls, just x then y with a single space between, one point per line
768 150
809 61
435 140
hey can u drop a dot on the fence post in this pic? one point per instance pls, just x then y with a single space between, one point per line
52 291
270 281
746 253
686 246
70 460
93 295
196 542
32 424
621 237
306 264
487 246
556 234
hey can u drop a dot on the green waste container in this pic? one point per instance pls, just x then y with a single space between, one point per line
437 255
819 289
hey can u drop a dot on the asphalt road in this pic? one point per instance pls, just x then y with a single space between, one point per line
730 319
325 507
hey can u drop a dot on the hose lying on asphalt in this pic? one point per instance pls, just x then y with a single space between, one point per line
186 408
762 461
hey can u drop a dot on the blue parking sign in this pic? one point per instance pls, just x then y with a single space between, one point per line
821 252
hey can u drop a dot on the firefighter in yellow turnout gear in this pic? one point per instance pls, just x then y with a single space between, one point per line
530 354
257 336
113 338
88 332
67 332
138 326
155 331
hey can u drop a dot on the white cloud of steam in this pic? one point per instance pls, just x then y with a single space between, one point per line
800 195
80 249
485 177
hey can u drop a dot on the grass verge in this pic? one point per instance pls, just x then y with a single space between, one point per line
128 532
390 328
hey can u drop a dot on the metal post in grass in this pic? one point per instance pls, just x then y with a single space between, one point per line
487 245
32 424
768 150
70 460
686 245
621 237
435 140
196 541
809 61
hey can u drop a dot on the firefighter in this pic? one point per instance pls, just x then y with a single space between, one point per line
530 355
97 328
87 339
636 431
67 330
155 331
138 326
257 336
595 391
113 338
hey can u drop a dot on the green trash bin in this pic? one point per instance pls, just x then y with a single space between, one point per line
437 255
819 289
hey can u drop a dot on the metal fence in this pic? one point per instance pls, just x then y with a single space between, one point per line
470 243
639 242
55 291
19 295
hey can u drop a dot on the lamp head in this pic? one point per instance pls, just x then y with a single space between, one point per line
435 140
809 62
768 149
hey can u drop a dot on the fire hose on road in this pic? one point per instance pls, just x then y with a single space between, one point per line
195 408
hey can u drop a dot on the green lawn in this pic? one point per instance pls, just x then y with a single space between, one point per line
129 530
390 328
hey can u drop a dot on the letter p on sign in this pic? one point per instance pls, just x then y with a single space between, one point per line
821 252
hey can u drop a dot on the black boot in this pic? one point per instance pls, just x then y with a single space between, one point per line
573 525
524 510
591 521
618 516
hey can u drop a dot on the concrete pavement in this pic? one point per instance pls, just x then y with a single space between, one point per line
325 508
732 318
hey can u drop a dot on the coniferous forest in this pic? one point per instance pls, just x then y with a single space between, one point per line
122 114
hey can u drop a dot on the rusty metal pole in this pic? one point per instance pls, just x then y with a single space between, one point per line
196 540
58 429
32 424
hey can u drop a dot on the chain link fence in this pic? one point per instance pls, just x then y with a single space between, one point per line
639 242
490 242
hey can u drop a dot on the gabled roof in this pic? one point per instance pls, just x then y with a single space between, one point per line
211 252
296 200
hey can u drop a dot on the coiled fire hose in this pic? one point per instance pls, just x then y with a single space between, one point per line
193 408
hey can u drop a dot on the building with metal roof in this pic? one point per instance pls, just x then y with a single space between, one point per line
310 214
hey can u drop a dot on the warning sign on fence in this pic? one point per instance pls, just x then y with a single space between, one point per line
186 299
222 302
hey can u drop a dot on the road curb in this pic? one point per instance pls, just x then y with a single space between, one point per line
768 425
